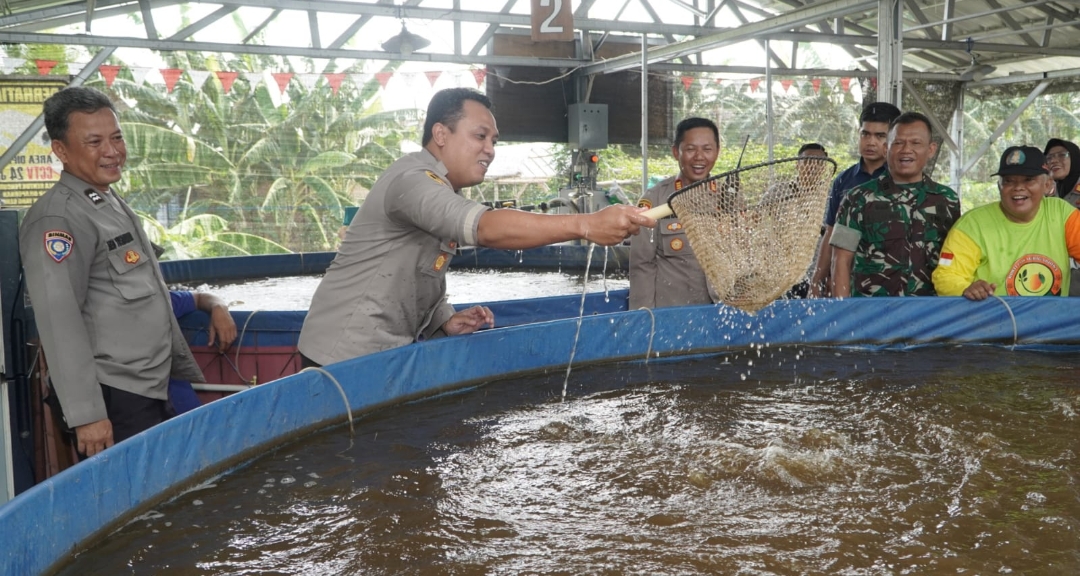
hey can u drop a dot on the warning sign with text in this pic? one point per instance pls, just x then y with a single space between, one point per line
34 169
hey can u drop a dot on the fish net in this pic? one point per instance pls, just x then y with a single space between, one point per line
754 229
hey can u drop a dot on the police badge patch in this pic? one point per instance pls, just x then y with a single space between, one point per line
58 244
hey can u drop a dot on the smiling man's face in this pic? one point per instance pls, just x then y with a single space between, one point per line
910 148
696 153
468 148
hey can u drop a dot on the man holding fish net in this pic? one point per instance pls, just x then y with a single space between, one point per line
387 285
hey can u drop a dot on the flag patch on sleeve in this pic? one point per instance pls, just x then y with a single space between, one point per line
58 244
946 259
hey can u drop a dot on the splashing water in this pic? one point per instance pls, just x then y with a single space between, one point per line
581 314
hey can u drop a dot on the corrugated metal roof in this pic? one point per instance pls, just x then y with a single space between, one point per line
941 38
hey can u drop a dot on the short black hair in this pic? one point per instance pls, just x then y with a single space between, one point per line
59 106
912 118
691 123
879 112
812 146
448 106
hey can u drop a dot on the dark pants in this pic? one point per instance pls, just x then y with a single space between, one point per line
306 362
131 413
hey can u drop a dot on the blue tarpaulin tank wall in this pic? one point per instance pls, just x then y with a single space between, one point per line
565 257
45 524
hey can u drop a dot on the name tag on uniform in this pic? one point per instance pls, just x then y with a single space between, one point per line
121 240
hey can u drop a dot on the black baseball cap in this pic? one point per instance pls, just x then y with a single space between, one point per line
1022 161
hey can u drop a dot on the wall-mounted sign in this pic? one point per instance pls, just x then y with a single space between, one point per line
34 170
552 20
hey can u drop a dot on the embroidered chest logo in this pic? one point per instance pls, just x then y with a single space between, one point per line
131 257
1033 275
675 226
434 177
677 244
440 262
58 245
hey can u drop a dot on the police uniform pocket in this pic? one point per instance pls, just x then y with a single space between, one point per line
437 263
673 241
130 273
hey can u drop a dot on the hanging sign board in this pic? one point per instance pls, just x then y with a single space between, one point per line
34 170
552 20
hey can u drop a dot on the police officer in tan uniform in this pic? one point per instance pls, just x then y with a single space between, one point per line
387 285
101 305
663 269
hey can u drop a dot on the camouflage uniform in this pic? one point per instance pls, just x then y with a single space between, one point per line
896 232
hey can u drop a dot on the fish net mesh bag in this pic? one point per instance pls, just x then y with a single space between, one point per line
754 230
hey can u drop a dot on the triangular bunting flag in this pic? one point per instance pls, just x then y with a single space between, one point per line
282 79
138 74
479 74
45 66
686 82
253 79
754 83
334 79
308 81
226 79
360 80
170 75
433 76
383 78
816 83
845 83
109 72
198 78
786 83
10 64
873 82
703 81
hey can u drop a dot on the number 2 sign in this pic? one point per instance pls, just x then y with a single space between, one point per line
552 20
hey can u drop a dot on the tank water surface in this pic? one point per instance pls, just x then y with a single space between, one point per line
945 460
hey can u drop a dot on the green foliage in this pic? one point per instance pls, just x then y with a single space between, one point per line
254 175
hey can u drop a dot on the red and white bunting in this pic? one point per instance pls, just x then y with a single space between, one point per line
10 64
138 74
786 84
687 82
282 79
816 83
226 78
198 78
383 78
109 72
254 79
45 66
360 80
754 83
845 83
334 79
308 81
170 76
432 77
479 74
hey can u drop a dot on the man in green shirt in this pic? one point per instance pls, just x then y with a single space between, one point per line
889 231
1019 246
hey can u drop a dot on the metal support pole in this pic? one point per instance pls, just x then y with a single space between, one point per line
890 52
644 113
1035 93
956 130
768 100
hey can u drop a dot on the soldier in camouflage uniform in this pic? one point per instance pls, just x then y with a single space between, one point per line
889 231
